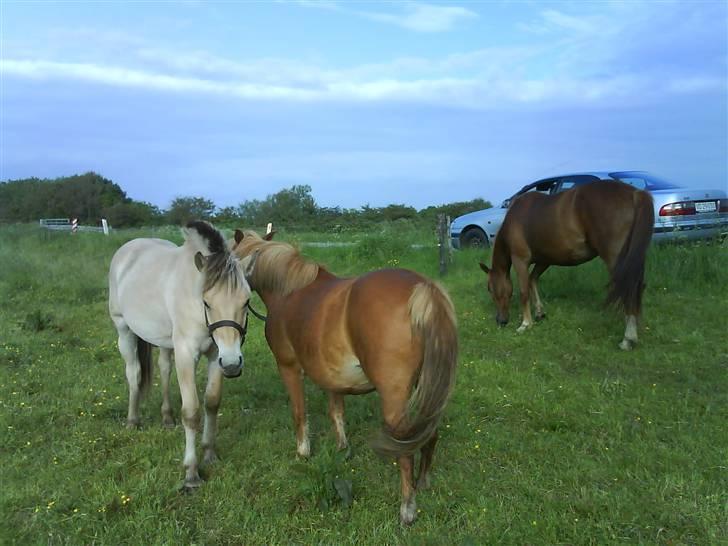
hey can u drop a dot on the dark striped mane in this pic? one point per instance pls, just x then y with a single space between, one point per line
221 264
214 239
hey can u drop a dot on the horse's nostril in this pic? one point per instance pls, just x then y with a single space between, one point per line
240 360
219 361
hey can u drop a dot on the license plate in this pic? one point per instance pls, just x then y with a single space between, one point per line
705 206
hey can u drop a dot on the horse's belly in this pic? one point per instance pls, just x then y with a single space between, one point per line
576 255
349 376
154 328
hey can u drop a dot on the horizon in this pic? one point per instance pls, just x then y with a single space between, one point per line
368 103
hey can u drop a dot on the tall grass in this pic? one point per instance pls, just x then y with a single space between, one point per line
553 436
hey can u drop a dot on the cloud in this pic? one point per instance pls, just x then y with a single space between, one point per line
423 17
415 16
461 92
554 20
573 66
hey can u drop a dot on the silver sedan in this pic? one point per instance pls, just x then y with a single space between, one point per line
680 213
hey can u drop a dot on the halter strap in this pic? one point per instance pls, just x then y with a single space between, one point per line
231 323
257 314
243 330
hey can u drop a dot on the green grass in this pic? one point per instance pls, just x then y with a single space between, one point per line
553 436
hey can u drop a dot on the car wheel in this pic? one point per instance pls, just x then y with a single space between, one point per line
474 238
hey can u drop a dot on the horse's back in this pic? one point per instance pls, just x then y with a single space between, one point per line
138 273
574 226
139 260
337 329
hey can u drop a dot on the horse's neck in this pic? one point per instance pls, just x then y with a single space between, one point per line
271 298
188 281
324 275
501 253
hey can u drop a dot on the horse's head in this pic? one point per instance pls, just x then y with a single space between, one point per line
501 290
225 297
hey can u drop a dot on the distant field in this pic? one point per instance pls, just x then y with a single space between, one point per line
553 436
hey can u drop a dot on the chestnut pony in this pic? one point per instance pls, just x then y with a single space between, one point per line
611 220
390 330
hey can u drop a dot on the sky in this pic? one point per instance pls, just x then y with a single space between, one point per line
372 103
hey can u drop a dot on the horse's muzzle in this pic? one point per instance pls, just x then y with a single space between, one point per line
232 370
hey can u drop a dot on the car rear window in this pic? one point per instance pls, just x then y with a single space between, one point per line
642 180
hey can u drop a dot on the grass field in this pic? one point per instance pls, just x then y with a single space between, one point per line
552 437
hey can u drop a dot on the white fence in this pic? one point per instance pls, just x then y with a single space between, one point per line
65 224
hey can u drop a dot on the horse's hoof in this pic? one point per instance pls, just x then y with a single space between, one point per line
540 316
346 448
168 422
304 449
408 514
210 457
627 344
133 424
190 484
423 482
522 328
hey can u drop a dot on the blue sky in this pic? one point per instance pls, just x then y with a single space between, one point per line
367 102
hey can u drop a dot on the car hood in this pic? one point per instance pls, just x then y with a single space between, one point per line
478 216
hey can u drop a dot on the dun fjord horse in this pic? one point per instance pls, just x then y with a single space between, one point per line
191 299
390 330
611 220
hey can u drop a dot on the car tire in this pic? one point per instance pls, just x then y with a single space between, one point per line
474 238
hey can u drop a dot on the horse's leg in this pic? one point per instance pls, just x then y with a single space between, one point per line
536 272
629 340
521 267
213 395
630 333
165 369
292 376
185 364
427 451
128 350
394 407
336 412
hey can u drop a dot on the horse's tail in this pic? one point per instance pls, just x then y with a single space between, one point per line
627 276
432 317
144 352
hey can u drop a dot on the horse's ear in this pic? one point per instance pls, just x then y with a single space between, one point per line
269 236
238 236
200 262
249 263
484 268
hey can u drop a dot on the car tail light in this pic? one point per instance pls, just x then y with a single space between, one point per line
723 205
678 209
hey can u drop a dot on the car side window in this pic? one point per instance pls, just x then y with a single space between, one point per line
569 182
635 181
544 186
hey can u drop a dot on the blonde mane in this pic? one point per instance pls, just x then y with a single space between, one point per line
279 268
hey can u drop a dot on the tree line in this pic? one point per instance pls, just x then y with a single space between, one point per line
90 197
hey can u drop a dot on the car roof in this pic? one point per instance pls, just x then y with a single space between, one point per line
602 175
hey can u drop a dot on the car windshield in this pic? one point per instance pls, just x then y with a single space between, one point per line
642 180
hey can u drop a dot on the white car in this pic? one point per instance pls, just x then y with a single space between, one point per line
680 213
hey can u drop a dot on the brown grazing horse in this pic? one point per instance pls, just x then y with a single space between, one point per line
611 220
390 330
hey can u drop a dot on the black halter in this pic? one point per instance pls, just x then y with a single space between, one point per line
256 314
243 330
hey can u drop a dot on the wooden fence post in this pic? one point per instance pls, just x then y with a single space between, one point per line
443 242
